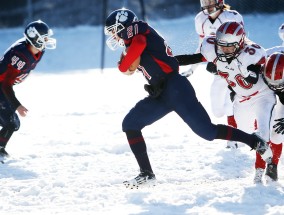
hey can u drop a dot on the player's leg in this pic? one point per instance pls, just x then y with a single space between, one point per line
145 112
193 113
10 123
276 141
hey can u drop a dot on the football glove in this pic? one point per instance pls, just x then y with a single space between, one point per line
279 126
212 68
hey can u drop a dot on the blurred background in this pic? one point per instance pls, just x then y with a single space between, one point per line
70 13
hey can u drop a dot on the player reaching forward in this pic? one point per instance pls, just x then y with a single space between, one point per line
213 14
167 92
16 64
238 61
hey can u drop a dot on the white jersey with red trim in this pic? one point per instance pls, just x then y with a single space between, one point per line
253 102
236 72
205 27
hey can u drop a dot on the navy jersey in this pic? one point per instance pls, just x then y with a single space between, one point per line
157 59
15 66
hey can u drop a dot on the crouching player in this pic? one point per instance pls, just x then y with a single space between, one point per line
274 78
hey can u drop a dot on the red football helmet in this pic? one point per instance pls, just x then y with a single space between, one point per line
209 7
229 40
274 71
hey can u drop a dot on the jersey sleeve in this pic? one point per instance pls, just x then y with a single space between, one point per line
207 49
198 24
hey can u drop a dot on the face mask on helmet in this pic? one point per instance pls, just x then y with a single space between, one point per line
274 72
281 32
229 41
38 34
210 7
117 21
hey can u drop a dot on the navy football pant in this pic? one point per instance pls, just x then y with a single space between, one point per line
178 96
9 120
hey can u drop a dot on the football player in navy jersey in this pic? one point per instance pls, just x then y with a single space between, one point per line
16 64
168 91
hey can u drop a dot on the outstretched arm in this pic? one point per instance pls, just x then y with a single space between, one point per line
190 59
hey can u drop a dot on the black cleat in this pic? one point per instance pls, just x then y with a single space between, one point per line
3 152
262 148
271 172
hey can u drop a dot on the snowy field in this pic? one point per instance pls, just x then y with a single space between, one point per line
71 157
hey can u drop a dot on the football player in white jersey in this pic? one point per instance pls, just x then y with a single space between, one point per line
277 48
239 62
213 13
274 77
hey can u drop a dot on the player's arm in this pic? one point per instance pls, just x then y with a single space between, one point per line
253 73
134 51
7 86
190 59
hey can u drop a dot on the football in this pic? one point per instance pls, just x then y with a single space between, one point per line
135 64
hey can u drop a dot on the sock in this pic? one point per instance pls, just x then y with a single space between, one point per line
231 121
259 162
5 136
139 149
277 151
225 132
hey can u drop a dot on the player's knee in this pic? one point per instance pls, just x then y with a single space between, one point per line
206 132
13 124
129 124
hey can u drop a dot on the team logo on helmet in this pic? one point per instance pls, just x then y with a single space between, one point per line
31 32
122 16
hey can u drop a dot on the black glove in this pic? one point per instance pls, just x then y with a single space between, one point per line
279 126
155 90
212 68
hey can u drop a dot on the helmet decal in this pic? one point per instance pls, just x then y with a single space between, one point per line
31 31
122 16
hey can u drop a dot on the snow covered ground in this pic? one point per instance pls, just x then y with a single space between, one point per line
70 155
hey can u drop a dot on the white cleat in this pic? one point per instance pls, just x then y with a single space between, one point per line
144 179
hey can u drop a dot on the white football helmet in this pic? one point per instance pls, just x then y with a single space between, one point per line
281 32
274 71
229 34
210 7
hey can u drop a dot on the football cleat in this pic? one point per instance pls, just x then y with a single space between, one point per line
3 152
263 149
144 179
271 172
258 176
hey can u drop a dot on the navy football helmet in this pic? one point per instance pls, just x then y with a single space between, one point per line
115 23
38 34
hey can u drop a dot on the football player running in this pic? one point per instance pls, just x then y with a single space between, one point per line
15 66
274 77
238 61
167 92
213 13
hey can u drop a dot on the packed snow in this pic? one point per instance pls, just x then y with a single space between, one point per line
71 157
